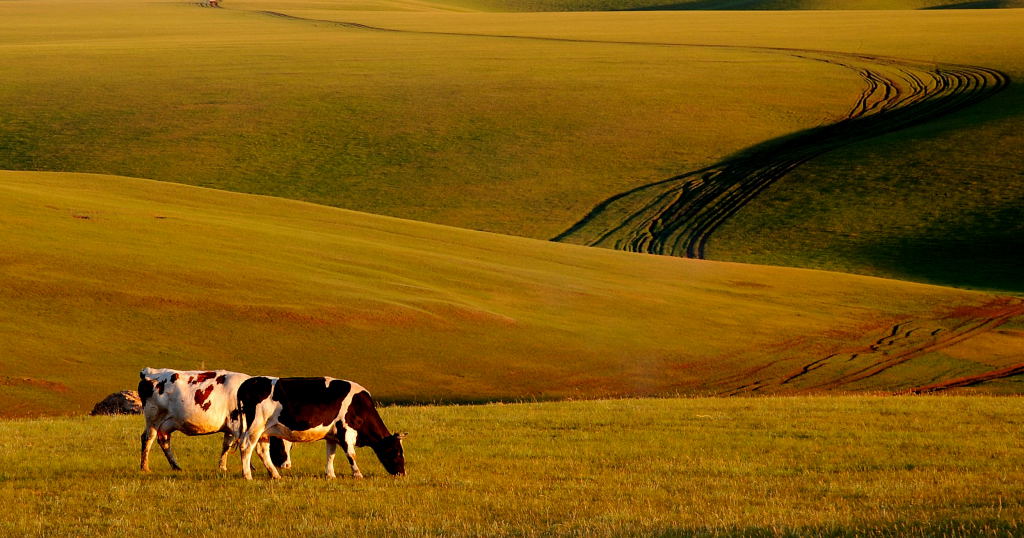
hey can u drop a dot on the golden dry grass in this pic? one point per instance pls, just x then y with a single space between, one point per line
102 275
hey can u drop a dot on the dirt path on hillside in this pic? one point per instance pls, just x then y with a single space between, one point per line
900 344
676 216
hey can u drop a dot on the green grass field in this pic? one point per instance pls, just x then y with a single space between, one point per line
936 203
653 5
467 124
495 134
525 136
848 466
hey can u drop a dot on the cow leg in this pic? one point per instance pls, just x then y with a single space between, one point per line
287 454
349 444
264 451
164 440
225 449
332 447
148 436
249 444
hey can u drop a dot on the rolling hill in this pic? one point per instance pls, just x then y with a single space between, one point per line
103 275
520 6
728 5
523 123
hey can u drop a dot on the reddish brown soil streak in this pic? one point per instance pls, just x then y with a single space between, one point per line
1016 369
904 342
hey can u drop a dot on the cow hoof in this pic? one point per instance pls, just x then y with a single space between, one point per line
275 477
358 476
286 465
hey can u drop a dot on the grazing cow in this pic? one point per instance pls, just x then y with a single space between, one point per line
301 409
195 403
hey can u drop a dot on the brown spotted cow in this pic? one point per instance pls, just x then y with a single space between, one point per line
193 402
302 409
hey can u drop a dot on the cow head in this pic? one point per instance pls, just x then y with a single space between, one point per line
389 452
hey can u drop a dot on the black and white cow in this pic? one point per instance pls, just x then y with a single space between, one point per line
194 402
302 409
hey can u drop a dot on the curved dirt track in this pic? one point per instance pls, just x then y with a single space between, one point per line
677 216
900 344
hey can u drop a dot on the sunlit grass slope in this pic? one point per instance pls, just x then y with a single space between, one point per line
849 466
937 203
641 5
101 275
506 135
940 203
729 5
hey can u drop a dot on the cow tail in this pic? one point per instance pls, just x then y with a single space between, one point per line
241 424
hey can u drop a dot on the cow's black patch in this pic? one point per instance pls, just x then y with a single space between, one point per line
362 416
174 377
160 387
308 402
277 452
251 392
222 378
145 390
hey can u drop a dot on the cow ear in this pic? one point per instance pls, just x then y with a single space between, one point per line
402 435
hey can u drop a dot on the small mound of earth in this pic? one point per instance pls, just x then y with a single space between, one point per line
126 402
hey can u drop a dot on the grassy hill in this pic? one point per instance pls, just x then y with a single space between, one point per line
728 5
496 134
936 203
638 5
525 136
103 275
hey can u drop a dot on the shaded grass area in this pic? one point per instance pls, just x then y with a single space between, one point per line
717 467
663 5
930 204
103 275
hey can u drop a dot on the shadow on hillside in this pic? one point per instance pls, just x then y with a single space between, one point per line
985 4
763 5
704 5
980 250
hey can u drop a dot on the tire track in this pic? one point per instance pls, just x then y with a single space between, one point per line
677 216
902 343
969 381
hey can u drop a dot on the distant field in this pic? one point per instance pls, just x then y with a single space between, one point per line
101 275
505 135
938 203
526 136
644 5
729 5
710 467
